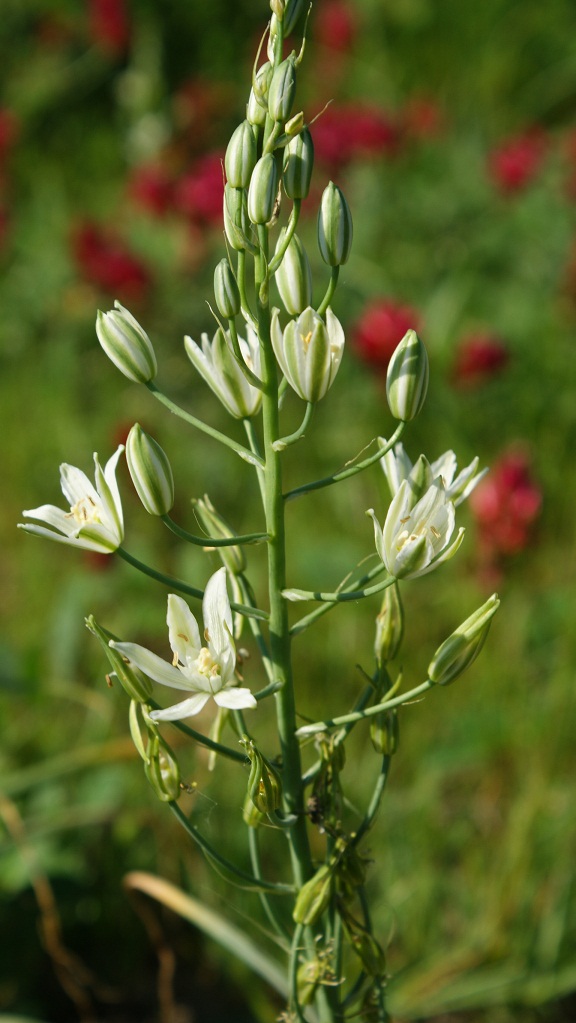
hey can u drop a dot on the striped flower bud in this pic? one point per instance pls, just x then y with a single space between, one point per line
407 378
264 785
150 471
236 223
282 89
241 156
226 291
294 276
256 114
298 165
263 190
334 226
126 344
162 769
458 652
389 626
309 351
232 557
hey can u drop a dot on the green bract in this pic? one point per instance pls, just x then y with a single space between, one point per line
334 226
150 471
309 351
126 344
407 378
215 361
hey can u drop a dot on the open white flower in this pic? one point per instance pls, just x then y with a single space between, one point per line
217 364
205 670
94 521
398 467
417 537
309 351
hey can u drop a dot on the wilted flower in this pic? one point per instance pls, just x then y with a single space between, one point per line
479 357
95 520
217 364
416 537
204 671
398 467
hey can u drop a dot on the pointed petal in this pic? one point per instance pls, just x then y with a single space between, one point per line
217 614
235 699
55 517
82 543
183 630
185 709
153 666
377 535
76 485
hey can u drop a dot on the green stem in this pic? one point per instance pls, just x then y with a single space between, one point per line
329 291
290 229
339 597
210 744
177 584
241 280
269 909
374 804
244 453
212 541
237 353
396 701
352 470
284 442
257 883
308 619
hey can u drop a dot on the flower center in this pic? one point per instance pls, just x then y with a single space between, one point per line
206 664
85 511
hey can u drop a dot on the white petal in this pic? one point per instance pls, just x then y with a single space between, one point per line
63 521
154 666
217 614
185 709
235 699
82 543
183 630
76 486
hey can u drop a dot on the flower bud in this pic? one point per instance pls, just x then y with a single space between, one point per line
236 223
298 165
126 344
384 732
226 290
251 815
407 378
263 190
133 681
461 648
162 770
294 276
277 7
232 557
314 896
264 785
334 226
295 125
309 351
256 114
282 89
389 626
261 83
150 471
241 156
293 10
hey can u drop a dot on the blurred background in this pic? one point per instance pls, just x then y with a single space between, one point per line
452 130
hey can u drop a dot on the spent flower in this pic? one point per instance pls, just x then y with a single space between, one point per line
202 670
94 521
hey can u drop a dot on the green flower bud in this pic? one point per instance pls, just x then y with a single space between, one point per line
162 770
294 276
309 351
282 89
150 471
133 681
264 784
389 626
293 10
256 114
462 648
261 84
314 896
295 125
334 226
407 378
263 190
277 7
241 156
126 344
236 223
384 732
232 557
226 290
298 165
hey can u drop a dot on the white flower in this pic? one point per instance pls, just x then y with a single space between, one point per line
416 537
94 521
398 467
204 671
217 364
309 351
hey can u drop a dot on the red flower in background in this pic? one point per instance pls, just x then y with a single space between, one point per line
422 119
105 261
335 25
515 164
506 505
152 189
380 329
478 358
109 25
349 131
199 194
8 131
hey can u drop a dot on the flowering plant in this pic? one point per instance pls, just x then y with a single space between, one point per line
330 964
